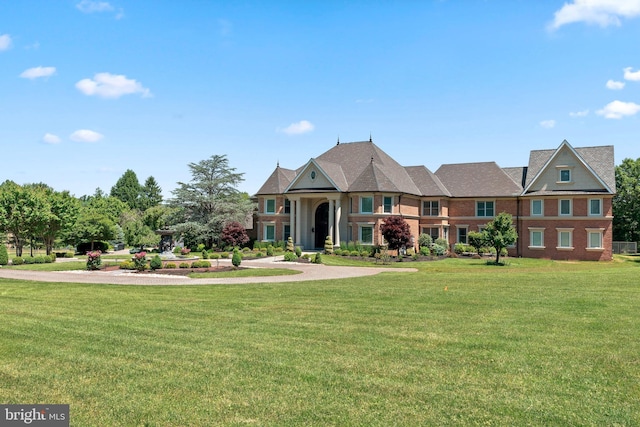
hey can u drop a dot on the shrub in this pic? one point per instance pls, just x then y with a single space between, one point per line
205 254
201 247
425 240
355 253
40 259
337 252
215 256
298 251
328 245
140 261
155 263
51 258
257 245
184 265
425 251
317 259
127 265
170 265
17 261
236 259
200 264
290 247
29 260
415 257
259 255
438 250
94 260
4 255
290 256
270 250
224 255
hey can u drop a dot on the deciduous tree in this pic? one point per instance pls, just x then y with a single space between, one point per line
396 232
500 233
626 202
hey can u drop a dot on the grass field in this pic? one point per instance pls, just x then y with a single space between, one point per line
536 342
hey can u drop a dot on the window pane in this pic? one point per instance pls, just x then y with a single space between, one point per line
271 206
536 207
595 240
565 175
462 235
565 207
270 232
595 207
388 203
489 209
536 238
565 239
287 231
367 205
366 235
287 206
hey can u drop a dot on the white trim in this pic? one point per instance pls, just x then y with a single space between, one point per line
560 207
541 207
589 213
565 230
536 230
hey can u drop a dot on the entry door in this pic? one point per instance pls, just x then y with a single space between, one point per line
322 224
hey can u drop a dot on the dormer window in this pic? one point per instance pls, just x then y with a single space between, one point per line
564 174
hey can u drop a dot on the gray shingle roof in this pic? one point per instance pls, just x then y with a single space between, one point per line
485 179
427 182
277 182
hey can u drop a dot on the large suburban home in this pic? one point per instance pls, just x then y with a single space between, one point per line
561 202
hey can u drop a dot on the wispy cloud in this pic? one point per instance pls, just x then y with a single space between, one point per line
631 75
50 138
579 113
614 85
598 12
92 6
108 85
5 42
86 135
303 126
548 124
618 109
37 72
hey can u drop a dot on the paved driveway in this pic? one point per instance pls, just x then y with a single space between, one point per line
124 277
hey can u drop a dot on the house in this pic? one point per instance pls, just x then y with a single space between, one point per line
561 202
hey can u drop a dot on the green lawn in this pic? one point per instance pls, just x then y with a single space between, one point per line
535 342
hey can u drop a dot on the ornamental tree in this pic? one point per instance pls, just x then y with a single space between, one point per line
234 234
500 233
396 232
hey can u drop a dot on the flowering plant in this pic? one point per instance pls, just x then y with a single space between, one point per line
94 260
140 261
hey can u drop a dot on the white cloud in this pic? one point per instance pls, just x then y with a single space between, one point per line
631 75
50 138
34 73
614 85
5 42
85 135
108 85
579 113
600 12
91 6
619 109
303 126
548 124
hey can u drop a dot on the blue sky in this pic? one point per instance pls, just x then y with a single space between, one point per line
90 89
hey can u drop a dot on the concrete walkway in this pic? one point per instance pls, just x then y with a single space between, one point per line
125 277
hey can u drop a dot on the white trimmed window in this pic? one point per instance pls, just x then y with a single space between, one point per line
387 204
564 175
287 206
595 207
286 231
594 238
434 232
564 207
365 234
484 208
536 238
269 232
430 208
565 238
366 204
270 206
462 233
537 207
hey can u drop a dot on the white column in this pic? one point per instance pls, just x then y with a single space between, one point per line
331 220
292 219
338 218
298 220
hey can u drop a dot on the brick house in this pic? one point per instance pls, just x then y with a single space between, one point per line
561 202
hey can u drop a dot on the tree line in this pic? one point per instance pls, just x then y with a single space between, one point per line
36 214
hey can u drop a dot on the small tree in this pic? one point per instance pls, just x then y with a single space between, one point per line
290 246
155 263
236 259
328 245
234 234
477 240
396 232
500 233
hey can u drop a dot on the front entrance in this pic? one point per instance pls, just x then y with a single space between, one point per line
321 225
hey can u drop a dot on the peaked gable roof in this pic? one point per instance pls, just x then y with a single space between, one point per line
485 179
597 161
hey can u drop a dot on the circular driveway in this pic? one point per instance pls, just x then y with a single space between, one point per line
126 277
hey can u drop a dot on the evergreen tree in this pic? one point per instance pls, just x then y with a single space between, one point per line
151 194
128 189
626 202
